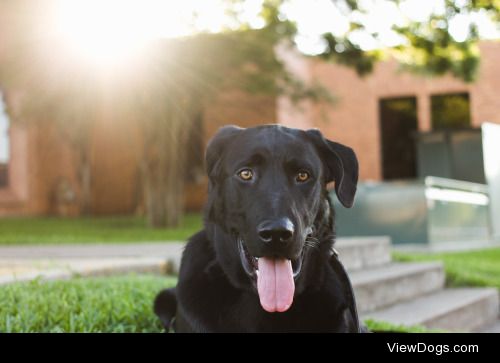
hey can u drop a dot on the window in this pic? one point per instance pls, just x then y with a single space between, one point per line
450 111
398 123
4 144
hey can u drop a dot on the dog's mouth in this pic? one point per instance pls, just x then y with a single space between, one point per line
273 277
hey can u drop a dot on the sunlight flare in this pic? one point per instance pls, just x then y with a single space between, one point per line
111 32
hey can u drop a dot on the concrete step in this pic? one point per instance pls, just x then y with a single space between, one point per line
22 263
490 328
109 250
461 309
60 269
55 261
355 253
379 287
363 252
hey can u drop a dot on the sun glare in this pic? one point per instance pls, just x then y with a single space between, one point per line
111 32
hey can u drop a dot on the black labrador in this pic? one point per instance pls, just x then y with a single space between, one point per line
265 260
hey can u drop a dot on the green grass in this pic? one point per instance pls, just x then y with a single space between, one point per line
470 268
382 326
103 304
48 230
111 304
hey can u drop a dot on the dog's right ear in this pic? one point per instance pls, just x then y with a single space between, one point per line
215 150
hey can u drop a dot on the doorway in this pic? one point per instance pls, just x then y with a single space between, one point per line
398 125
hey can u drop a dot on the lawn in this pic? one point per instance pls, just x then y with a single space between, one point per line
112 304
470 268
25 231
101 304
384 327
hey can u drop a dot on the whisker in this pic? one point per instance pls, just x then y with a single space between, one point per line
313 240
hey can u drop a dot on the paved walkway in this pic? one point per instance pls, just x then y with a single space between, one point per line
21 263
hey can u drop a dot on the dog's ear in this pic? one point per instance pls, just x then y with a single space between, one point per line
341 166
215 150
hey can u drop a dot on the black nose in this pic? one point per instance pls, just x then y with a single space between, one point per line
278 230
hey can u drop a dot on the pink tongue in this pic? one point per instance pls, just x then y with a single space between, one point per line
275 284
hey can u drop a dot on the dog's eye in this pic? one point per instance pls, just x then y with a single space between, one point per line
245 174
302 176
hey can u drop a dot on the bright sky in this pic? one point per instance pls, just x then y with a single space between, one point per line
106 30
316 17
4 126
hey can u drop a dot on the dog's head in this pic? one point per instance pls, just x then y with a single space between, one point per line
266 189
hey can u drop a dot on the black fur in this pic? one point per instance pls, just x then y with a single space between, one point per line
214 293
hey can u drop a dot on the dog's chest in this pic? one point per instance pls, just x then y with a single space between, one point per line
314 314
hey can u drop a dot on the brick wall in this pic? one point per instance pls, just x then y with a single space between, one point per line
354 119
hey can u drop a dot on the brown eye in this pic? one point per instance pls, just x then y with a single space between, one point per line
246 174
302 176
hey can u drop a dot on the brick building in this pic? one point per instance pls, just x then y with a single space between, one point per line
377 115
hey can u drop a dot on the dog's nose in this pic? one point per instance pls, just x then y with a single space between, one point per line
278 230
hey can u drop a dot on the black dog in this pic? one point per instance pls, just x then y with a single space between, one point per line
264 261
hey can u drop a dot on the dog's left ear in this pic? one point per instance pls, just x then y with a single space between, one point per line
341 166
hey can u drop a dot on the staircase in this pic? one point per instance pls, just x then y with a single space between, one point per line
413 293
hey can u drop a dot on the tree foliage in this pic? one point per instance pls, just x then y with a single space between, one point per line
428 47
